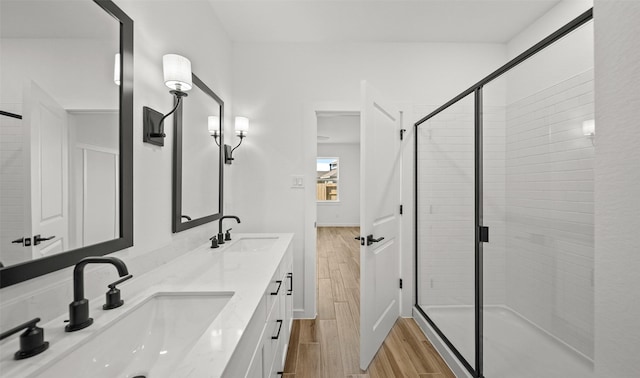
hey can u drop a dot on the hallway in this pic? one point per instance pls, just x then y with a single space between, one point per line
328 346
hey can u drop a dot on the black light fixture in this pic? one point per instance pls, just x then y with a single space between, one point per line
242 128
177 76
213 124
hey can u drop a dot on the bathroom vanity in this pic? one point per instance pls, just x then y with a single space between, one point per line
224 312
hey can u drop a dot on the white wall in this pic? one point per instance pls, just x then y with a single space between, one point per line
273 83
617 184
203 41
345 211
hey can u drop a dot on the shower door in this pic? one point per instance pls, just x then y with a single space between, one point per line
445 236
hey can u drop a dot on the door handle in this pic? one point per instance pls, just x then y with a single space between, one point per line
371 240
361 239
37 239
26 242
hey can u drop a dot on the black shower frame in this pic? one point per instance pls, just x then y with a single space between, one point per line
476 90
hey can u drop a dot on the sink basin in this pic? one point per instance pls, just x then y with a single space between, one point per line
246 244
149 340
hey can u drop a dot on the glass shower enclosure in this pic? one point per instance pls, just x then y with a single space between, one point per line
504 214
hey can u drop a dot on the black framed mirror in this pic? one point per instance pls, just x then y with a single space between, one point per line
197 158
67 82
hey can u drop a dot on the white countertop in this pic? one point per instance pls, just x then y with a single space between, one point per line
246 274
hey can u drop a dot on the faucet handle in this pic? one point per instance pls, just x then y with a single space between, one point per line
214 241
113 295
31 341
118 282
227 235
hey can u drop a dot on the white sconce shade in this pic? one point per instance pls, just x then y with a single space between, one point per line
177 72
116 70
589 127
213 124
242 125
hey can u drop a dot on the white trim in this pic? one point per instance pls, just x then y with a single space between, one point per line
456 367
302 314
407 271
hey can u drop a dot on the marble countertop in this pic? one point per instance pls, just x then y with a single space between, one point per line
246 274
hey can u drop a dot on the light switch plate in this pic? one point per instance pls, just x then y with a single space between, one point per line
297 181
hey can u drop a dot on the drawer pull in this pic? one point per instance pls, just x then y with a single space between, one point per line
277 336
279 282
290 277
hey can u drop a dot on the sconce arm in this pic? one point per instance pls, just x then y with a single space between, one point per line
179 95
242 136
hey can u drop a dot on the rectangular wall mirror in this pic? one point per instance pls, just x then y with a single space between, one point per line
66 102
197 158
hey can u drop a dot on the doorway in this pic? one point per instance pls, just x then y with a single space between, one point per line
338 251
326 336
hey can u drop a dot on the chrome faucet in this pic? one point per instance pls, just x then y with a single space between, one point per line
221 237
79 308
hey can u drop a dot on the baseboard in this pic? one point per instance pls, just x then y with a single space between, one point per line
338 225
449 358
302 314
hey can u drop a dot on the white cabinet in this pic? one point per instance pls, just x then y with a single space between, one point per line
273 325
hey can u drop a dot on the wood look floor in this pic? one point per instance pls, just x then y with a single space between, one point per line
328 346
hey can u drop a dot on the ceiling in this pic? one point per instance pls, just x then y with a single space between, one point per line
338 127
477 21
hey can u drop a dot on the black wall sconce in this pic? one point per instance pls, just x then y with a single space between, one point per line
242 128
177 76
213 124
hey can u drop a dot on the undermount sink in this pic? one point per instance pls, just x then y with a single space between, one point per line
150 340
248 244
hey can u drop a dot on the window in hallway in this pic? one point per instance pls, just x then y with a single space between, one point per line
327 179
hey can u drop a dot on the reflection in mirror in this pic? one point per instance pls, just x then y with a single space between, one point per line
197 192
62 133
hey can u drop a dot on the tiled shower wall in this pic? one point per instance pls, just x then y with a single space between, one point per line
550 218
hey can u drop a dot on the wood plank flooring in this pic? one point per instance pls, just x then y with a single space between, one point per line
328 346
